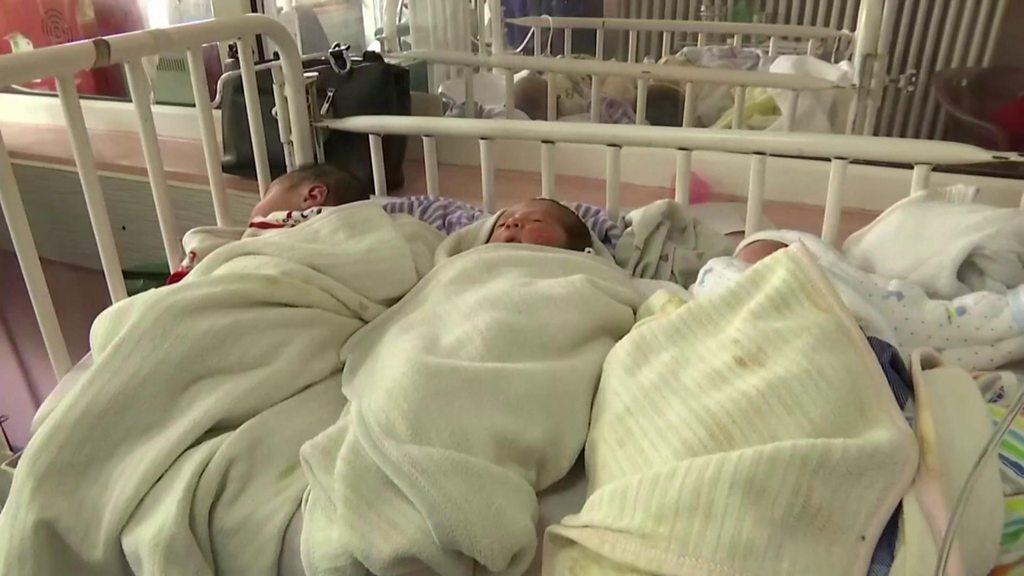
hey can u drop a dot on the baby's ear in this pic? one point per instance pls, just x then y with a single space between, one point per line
315 195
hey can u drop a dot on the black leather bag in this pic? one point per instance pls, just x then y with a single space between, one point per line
345 87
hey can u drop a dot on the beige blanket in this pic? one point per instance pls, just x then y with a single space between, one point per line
749 432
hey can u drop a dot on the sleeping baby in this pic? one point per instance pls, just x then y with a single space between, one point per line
542 222
290 200
979 331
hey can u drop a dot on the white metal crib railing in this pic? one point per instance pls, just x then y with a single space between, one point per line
642 73
759 145
62 62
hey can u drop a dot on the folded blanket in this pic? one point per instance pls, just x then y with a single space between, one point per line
945 243
749 432
662 241
169 456
466 398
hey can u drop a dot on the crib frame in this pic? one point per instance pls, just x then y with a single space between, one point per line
874 32
128 49
62 62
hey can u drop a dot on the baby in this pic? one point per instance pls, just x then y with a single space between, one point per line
543 222
290 200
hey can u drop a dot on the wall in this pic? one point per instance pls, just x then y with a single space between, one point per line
26 378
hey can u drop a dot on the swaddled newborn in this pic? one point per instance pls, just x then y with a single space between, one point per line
542 222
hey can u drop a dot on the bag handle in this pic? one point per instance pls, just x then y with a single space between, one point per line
339 51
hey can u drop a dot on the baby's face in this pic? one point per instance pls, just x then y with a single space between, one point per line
533 222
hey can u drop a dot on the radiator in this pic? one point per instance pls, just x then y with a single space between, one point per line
929 35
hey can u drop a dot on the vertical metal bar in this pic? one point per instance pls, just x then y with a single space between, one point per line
834 201
922 177
837 7
993 35
959 56
702 39
913 59
895 66
739 104
612 180
666 44
138 86
380 181
645 40
631 54
552 100
822 11
208 135
737 40
689 105
684 161
783 17
773 47
94 200
595 99
487 175
916 128
808 13
547 169
537 40
789 114
812 46
567 41
851 12
497 27
510 91
755 193
481 29
254 115
599 44
641 100
769 12
692 15
952 17
978 38
470 105
797 10
31 269
430 166
284 126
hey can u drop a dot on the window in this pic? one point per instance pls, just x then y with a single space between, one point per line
31 25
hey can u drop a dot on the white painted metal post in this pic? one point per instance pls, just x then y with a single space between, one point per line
470 104
789 115
94 201
834 201
284 126
993 34
739 104
755 193
380 182
537 33
510 91
666 44
641 101
595 99
567 49
684 160
430 166
979 35
689 104
254 115
31 269
612 180
547 169
922 177
631 54
895 65
139 88
487 175
208 135
552 100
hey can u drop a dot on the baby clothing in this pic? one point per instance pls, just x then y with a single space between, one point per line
978 331
945 243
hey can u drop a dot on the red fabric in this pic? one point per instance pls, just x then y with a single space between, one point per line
177 276
1011 118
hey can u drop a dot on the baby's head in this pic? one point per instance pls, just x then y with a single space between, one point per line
543 222
304 188
759 250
